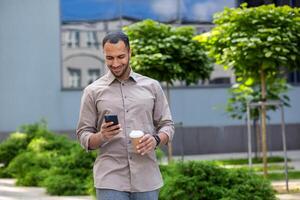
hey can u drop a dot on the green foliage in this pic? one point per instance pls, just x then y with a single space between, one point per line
167 53
249 91
38 129
12 146
200 180
256 42
272 159
281 176
29 168
255 39
65 184
159 154
75 167
39 157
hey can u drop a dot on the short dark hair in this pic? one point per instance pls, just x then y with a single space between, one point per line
115 37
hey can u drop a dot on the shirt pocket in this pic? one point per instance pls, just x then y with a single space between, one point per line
109 106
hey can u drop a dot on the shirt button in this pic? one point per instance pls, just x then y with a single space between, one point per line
130 157
123 84
127 110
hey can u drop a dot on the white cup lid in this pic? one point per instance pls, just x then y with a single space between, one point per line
136 134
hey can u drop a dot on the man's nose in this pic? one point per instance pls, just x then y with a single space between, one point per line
115 63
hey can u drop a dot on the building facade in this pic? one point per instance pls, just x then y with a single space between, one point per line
44 66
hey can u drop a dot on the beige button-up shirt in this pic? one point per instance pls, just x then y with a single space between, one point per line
140 104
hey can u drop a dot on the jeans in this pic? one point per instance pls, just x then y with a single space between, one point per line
107 194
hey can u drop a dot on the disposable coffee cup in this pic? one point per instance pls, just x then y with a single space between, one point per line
135 136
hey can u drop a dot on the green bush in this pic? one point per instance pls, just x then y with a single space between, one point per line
38 157
159 154
38 129
75 167
202 180
65 184
17 143
12 146
30 168
57 144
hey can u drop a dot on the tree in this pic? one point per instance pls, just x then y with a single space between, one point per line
167 53
242 93
257 42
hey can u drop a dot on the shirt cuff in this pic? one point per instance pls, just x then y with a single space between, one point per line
167 130
84 140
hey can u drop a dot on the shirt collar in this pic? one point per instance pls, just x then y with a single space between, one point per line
111 77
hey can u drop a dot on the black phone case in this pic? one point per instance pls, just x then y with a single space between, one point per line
111 118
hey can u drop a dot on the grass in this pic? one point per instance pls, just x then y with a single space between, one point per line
272 176
273 159
281 176
273 167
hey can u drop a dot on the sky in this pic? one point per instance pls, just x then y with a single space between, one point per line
160 10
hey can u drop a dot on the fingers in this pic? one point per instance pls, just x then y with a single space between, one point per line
147 144
108 130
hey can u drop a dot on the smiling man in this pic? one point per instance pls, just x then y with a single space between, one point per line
121 172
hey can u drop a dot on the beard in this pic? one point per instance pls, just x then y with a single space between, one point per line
123 72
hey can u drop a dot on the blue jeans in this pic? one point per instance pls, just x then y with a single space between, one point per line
106 194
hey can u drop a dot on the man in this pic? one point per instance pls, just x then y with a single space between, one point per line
120 173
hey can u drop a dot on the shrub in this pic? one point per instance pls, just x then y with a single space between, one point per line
9 148
38 157
30 168
202 180
57 144
17 143
38 129
64 184
159 154
13 145
75 167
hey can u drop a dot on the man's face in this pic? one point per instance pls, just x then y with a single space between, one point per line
117 59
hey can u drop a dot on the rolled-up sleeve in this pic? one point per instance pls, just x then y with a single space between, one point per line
87 123
162 115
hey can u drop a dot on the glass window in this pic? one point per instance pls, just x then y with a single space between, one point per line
294 77
220 80
92 40
74 78
93 75
73 39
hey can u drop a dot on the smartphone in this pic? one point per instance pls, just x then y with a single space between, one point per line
111 118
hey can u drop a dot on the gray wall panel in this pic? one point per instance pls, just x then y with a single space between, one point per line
227 139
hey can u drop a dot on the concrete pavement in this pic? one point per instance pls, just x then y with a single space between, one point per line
295 196
294 187
8 191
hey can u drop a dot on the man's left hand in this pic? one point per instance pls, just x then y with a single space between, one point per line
147 144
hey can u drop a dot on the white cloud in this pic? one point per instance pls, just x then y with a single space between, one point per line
205 10
165 8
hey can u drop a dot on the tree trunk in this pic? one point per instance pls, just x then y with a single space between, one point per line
263 121
258 136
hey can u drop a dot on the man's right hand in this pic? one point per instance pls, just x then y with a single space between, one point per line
108 130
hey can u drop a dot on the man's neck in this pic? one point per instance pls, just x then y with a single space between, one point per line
126 75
